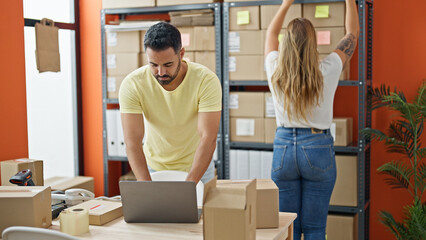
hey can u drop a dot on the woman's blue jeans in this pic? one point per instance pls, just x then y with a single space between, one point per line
304 169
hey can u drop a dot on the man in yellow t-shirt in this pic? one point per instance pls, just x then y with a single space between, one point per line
181 103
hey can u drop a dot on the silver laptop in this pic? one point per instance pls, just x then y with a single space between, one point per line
159 202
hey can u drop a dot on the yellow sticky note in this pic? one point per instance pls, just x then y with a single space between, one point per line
323 37
322 11
280 37
243 17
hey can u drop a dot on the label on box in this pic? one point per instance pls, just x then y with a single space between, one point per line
112 39
269 107
245 127
234 42
186 39
111 61
232 64
323 37
97 208
112 84
233 101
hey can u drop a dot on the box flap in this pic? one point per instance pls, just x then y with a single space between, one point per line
226 198
20 191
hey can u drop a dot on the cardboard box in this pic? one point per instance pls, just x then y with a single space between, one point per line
246 68
127 3
113 85
343 131
229 213
101 211
141 39
247 130
188 56
10 168
345 191
245 43
246 104
342 227
204 38
180 2
64 183
346 69
123 42
334 18
25 206
187 37
331 37
122 63
270 129
130 176
267 13
207 59
269 106
267 204
263 37
244 18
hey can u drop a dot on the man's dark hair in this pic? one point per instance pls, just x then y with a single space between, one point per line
162 36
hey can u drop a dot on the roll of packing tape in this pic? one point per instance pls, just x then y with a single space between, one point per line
74 221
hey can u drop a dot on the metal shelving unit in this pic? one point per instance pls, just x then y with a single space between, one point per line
361 148
216 7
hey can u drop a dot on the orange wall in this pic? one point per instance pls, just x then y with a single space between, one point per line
13 120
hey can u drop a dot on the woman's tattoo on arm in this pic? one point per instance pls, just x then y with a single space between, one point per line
347 44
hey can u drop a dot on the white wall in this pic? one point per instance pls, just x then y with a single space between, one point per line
51 97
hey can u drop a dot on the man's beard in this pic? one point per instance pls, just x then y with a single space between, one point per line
166 78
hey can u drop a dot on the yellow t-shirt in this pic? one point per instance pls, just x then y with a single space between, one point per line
171 135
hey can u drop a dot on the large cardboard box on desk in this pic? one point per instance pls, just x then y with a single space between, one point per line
343 136
267 13
127 3
345 192
64 183
246 104
325 14
101 211
25 206
122 42
10 168
244 18
229 213
267 210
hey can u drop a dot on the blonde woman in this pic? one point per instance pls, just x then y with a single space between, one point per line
303 89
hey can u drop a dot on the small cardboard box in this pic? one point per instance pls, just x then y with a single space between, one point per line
342 227
122 63
123 42
345 192
246 68
267 204
343 131
64 183
246 104
207 59
180 2
244 18
10 168
247 129
267 13
127 3
328 38
204 38
245 43
113 85
269 106
270 129
187 38
141 39
229 213
325 14
100 211
25 206
143 59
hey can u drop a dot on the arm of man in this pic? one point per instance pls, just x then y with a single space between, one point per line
133 130
346 47
274 28
208 126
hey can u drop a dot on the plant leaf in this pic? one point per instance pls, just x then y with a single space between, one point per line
399 172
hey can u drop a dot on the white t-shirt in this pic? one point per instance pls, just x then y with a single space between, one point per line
322 116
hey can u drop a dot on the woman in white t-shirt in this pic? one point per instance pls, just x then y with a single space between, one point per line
303 89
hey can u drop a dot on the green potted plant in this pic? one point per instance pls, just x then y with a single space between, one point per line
403 137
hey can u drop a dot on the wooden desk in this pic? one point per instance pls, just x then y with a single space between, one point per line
119 229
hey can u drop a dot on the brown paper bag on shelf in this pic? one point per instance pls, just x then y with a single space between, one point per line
47 46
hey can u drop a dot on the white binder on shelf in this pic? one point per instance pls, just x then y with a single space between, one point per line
255 166
121 152
266 157
111 123
242 164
